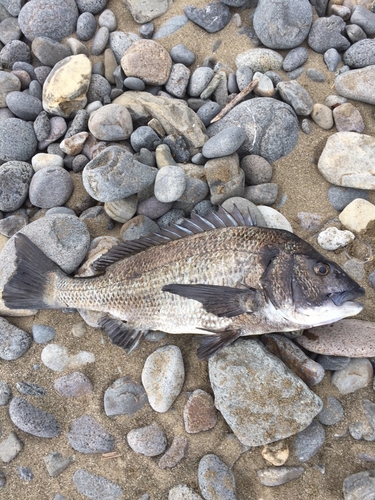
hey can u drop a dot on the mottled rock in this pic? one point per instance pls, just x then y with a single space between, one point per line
86 435
332 412
212 18
15 177
149 441
275 476
357 374
332 238
174 454
50 187
348 118
358 215
73 385
111 123
124 397
17 140
96 487
357 84
260 60
359 486
216 480
294 94
56 463
183 492
225 178
199 412
309 441
322 116
14 342
33 420
56 358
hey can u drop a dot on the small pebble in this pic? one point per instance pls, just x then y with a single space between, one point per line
322 116
174 454
348 118
149 441
332 413
14 342
199 412
5 393
276 453
332 363
262 194
170 183
96 487
10 447
181 54
315 75
124 397
56 463
332 59
56 358
309 441
275 476
42 334
332 238
73 385
357 374
295 58
30 389
215 478
224 143
86 435
33 420
25 473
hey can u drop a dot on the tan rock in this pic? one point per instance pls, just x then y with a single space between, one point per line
322 116
357 215
73 145
276 453
64 91
144 11
147 60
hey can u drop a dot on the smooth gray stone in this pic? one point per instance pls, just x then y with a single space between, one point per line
359 486
282 24
332 413
24 105
199 80
50 187
212 18
149 441
244 75
124 397
15 178
181 54
295 58
14 51
320 6
17 140
12 6
144 137
208 111
332 362
86 435
216 480
357 84
225 143
100 41
86 26
360 54
339 197
171 26
107 18
119 42
8 83
134 83
293 75
49 51
364 18
275 476
294 94
147 30
332 59
262 194
325 34
257 170
355 33
5 393
35 89
10 447
96 487
29 389
33 420
9 30
98 89
309 441
93 6
178 80
138 226
56 463
315 75
14 342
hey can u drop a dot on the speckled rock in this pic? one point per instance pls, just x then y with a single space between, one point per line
56 358
175 453
14 342
149 441
326 33
183 492
96 487
225 178
33 420
50 187
17 140
212 18
111 123
295 58
348 118
357 84
15 177
73 385
199 412
10 447
216 480
309 441
332 238
260 60
359 486
332 412
124 397
322 116
56 464
357 374
86 435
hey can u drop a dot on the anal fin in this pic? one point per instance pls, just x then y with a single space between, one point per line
211 344
120 334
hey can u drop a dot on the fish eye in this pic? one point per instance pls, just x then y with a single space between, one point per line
321 269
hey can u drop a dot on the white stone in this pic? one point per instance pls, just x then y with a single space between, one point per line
332 238
170 183
357 215
56 358
348 160
144 11
274 218
260 59
322 115
42 160
357 374
265 86
163 377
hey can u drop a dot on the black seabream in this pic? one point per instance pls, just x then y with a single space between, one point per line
219 276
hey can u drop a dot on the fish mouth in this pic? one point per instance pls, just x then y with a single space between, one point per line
338 298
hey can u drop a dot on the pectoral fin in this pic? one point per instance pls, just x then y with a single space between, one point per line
211 344
223 301
120 333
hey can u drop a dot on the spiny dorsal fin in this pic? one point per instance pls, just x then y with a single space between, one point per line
197 224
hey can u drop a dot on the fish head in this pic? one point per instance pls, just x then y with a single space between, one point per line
310 290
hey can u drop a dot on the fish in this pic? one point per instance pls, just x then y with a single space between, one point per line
220 276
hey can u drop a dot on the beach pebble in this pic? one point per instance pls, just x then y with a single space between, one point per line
244 76
56 464
138 226
225 178
216 480
315 75
42 160
14 342
93 6
179 148
86 435
359 486
50 187
332 58
23 105
183 492
357 215
121 210
17 140
208 111
133 83
25 473
346 160
175 453
360 54
237 395
10 447
259 60
332 238
273 218
295 58
332 413
225 143
212 18
73 385
153 208
5 393
124 397
144 137
355 33
33 420
163 376
257 170
14 51
348 118
73 145
276 453
178 80
262 194
101 175
149 440
171 26
294 94
99 89
107 18
55 19
309 441
100 41
86 26
170 217
96 487
111 123
29 389
340 197
282 24
181 54
275 476
9 30
199 412
357 374
49 51
170 183
57 129
56 358
199 80
8 83
78 124
15 178
322 116
357 84
332 362
364 18
326 33
119 42
66 86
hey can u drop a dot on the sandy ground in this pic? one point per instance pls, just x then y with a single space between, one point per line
306 190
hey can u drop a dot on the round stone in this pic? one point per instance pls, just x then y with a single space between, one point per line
42 334
111 123
257 170
295 58
309 441
170 183
17 140
14 342
225 143
93 6
15 177
124 397
149 441
8 83
357 374
144 137
107 18
15 51
33 420
86 26
24 106
50 187
199 80
181 54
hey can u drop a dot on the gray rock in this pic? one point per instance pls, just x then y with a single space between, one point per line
33 420
171 26
111 123
49 51
8 83
295 58
174 454
134 83
348 118
357 374
216 480
147 30
245 402
42 126
183 492
86 26
12 7
98 89
29 389
257 170
355 33
114 174
50 187
14 51
282 24
306 126
224 178
208 111
178 80
262 194
315 75
332 59
326 33
360 54
153 208
332 413
56 463
124 397
149 441
294 94
371 279
225 143
53 18
10 447
199 80
244 76
359 486
309 441
144 137
196 190
172 216
17 140
261 60
245 206
107 18
357 84
271 127
332 362
15 177
364 18
178 147
275 476
9 30
212 18
170 183
93 6
119 42
14 342
58 128
25 473
181 54
86 435
73 385
100 41
96 487
138 226
13 222
5 393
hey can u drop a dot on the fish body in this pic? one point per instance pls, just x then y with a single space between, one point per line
217 276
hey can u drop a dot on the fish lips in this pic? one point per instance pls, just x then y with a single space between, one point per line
338 298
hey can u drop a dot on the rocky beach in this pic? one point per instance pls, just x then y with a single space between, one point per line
120 118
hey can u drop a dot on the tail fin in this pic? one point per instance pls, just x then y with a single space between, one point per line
31 284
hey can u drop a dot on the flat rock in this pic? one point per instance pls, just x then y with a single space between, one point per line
225 143
33 420
73 385
56 358
224 178
348 118
149 441
56 463
357 374
326 33
65 88
261 400
216 480
96 487
357 84
86 435
199 412
358 215
346 160
308 442
144 11
17 140
124 397
359 486
275 476
212 18
175 453
10 447
14 342
260 60
163 376
294 94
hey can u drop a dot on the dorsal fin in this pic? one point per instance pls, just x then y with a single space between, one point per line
197 224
